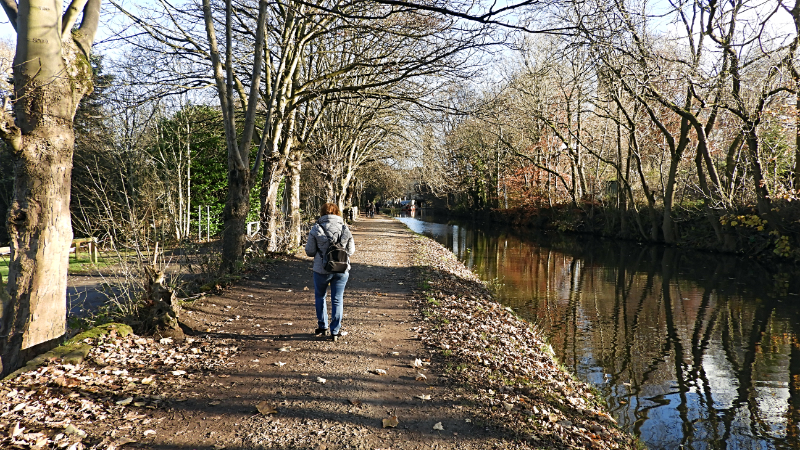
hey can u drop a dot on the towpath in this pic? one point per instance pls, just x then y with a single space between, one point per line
271 317
452 370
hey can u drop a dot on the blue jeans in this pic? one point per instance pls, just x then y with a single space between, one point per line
337 282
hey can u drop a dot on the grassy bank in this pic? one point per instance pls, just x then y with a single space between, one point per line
76 265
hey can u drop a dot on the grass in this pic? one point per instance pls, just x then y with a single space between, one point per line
76 266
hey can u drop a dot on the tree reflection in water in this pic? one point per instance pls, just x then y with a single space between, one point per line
690 349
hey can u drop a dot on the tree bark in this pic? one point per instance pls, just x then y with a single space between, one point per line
759 184
234 217
51 75
270 183
295 221
669 198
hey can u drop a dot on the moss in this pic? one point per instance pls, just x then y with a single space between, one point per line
102 330
74 350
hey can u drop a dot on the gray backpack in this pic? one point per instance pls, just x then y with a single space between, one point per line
335 258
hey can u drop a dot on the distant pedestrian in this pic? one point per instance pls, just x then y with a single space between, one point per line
329 227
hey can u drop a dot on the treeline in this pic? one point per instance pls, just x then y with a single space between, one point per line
672 122
258 111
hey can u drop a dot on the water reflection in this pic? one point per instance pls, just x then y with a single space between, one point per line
691 350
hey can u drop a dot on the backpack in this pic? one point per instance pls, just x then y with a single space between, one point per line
335 258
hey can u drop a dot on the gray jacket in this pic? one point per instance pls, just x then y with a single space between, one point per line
317 243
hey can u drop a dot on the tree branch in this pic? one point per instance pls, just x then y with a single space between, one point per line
71 16
10 7
88 29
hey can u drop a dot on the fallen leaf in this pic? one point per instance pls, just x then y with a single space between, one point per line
305 288
71 429
17 430
379 372
214 403
438 426
148 380
178 373
321 380
266 408
421 377
280 364
355 402
126 401
149 432
165 341
508 406
417 363
285 349
391 422
287 323
424 397
124 441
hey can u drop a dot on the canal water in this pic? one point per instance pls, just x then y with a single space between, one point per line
691 350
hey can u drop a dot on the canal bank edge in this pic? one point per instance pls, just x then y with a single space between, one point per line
501 364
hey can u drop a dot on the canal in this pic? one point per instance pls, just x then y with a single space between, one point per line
690 349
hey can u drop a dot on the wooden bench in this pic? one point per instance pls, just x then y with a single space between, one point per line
91 248
74 247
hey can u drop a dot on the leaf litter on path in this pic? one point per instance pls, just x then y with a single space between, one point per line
266 408
391 422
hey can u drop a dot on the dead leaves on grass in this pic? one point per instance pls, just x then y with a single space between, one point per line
119 375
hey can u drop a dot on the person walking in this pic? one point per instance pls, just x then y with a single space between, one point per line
330 227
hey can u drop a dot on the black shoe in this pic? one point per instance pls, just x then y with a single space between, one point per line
321 332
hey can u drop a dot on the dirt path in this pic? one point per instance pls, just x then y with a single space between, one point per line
255 377
271 317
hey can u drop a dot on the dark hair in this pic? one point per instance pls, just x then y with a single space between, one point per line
330 208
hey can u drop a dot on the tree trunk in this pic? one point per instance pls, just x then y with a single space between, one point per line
330 188
51 75
270 183
713 220
234 217
759 184
295 221
669 198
